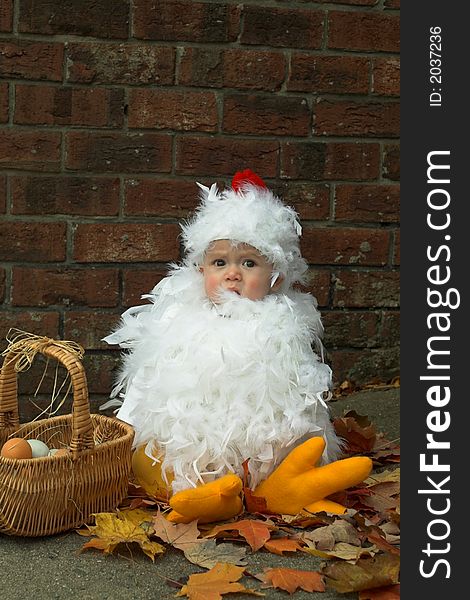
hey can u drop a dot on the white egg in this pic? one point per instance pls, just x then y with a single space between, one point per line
39 448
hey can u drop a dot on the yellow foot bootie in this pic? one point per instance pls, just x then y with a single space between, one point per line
215 501
297 483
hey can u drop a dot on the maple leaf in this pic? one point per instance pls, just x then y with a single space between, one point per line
357 431
255 532
389 592
291 579
208 553
326 537
281 545
381 570
179 535
221 579
112 529
343 551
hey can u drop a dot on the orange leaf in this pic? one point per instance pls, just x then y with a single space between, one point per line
221 579
389 592
357 430
291 579
281 545
256 533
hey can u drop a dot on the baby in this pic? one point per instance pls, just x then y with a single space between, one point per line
221 366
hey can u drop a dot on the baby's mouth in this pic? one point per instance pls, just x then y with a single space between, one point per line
233 290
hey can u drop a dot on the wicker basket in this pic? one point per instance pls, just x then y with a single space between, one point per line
44 496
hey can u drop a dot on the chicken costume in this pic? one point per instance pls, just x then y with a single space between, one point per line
208 385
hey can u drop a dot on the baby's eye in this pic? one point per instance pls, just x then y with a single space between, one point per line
219 262
249 263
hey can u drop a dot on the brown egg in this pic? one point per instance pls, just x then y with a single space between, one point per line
16 448
62 452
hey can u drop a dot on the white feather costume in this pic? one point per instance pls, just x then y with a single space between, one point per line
212 385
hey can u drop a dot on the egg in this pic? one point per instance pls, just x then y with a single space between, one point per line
38 448
16 448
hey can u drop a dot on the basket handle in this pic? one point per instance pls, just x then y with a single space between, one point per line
82 428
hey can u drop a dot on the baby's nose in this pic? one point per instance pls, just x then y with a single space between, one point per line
233 272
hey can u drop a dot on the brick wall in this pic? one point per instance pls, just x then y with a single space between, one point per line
111 109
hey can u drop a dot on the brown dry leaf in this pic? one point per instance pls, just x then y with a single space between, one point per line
387 475
375 535
221 579
292 579
384 496
381 570
281 545
179 535
326 537
342 550
392 532
208 553
358 432
255 532
389 592
112 529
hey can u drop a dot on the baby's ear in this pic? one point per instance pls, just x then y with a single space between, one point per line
276 281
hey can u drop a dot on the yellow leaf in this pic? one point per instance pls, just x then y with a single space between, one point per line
221 579
112 529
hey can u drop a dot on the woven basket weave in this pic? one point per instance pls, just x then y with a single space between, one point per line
44 496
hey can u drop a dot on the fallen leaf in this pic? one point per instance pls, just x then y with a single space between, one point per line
375 535
326 537
381 570
221 579
179 535
112 529
387 475
281 545
357 431
208 553
343 551
389 592
290 580
255 532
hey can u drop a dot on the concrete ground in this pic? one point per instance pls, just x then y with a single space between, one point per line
53 568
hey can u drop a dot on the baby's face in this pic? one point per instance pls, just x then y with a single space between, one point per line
240 269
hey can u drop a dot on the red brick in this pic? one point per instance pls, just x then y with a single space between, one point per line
232 68
345 118
180 20
137 282
34 149
266 115
160 197
2 285
329 74
128 64
101 371
351 329
93 196
3 193
3 102
367 203
52 105
317 284
390 333
31 60
126 242
391 162
364 31
105 19
6 15
310 200
168 109
337 246
32 242
332 161
119 152
386 77
396 248
65 287
39 323
295 28
89 328
365 366
218 156
361 289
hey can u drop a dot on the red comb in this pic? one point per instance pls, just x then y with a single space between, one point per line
246 176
